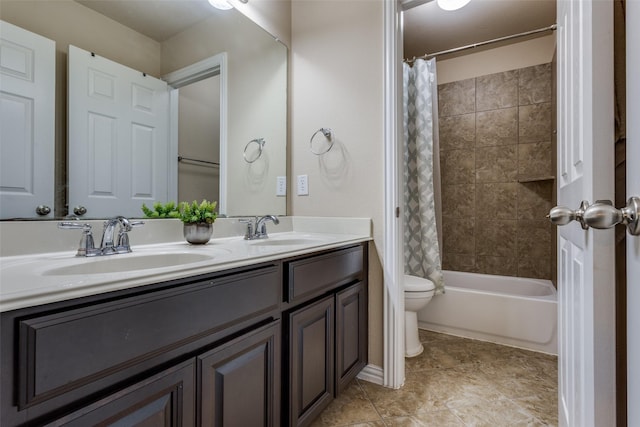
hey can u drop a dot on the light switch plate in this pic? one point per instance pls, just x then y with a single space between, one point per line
281 186
303 185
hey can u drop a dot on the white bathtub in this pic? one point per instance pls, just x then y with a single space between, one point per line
505 310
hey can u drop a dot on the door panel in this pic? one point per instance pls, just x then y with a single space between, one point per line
240 381
585 257
27 135
118 137
311 382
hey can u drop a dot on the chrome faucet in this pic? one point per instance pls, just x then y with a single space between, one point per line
257 228
107 244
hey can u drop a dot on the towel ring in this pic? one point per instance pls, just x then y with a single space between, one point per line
252 156
328 135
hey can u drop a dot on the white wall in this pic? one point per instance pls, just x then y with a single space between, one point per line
494 60
337 82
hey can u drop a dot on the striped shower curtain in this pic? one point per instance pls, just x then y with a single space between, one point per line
420 114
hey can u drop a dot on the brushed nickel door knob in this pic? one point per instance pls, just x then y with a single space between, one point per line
601 215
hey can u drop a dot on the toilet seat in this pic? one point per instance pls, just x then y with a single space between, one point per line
417 284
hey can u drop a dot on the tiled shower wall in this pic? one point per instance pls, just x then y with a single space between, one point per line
497 172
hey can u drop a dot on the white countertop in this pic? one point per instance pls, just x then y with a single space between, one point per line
30 280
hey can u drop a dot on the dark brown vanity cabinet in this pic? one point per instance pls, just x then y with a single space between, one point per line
263 345
327 332
142 356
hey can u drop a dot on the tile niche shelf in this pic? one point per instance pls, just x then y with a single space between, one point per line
525 178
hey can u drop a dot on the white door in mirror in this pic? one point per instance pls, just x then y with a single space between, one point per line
118 137
27 110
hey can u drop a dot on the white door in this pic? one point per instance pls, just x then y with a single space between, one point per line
27 129
586 290
633 189
118 137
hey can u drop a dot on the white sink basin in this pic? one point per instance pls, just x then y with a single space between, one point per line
119 263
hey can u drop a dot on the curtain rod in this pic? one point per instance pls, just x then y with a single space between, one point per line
471 46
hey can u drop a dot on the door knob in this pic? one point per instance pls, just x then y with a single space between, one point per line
601 215
43 210
79 210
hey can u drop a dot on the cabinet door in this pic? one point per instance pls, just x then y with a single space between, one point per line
351 334
240 381
166 399
311 368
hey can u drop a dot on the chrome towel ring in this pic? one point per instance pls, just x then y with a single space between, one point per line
321 147
255 153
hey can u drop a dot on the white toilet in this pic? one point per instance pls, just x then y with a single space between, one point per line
417 294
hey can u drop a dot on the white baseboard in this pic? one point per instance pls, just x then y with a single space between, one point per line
373 374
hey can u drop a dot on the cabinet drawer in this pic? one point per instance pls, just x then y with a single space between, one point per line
311 276
60 352
164 400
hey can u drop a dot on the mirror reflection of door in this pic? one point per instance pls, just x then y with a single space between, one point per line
199 140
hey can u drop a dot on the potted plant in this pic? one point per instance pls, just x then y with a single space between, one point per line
198 219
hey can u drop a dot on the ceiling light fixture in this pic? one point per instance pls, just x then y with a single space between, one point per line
220 4
450 4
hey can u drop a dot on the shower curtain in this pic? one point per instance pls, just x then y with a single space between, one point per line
420 114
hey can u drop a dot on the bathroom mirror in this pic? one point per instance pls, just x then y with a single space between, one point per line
158 38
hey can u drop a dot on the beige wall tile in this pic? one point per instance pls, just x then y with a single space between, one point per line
501 266
497 127
457 98
458 236
496 164
534 85
457 132
459 262
499 90
534 239
534 160
534 199
535 268
534 123
496 200
457 166
496 238
458 200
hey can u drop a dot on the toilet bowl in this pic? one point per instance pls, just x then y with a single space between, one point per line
418 292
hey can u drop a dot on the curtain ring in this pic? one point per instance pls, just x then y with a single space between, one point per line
328 135
252 157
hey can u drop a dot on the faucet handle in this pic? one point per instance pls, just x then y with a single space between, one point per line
248 235
86 246
123 245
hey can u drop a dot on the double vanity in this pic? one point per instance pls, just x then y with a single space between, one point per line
233 333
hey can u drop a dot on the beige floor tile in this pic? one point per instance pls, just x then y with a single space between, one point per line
500 413
351 407
544 407
427 419
456 382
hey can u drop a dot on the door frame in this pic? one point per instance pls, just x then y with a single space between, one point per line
633 189
208 67
393 271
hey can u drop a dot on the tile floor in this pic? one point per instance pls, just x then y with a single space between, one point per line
456 382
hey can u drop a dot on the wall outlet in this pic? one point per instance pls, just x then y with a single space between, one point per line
303 185
281 186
